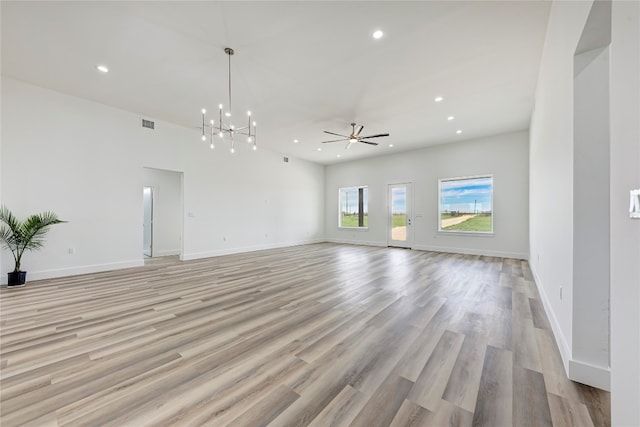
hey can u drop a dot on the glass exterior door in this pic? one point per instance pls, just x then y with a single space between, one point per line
399 224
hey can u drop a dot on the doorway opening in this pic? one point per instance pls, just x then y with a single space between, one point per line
162 213
147 222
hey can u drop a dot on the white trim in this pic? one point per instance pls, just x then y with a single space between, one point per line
166 253
462 178
561 342
410 235
74 271
340 226
582 372
469 251
467 233
356 242
152 190
595 376
239 250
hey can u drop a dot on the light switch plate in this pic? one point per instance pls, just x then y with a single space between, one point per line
634 204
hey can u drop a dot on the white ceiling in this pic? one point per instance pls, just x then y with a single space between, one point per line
301 67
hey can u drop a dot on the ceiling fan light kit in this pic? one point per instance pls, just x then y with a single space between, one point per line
354 136
228 130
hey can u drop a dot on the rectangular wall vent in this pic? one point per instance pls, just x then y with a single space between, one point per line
148 124
286 159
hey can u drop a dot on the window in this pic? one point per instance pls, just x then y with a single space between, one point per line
354 207
466 204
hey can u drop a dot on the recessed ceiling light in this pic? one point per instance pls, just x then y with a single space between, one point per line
459 131
438 99
377 34
295 141
102 68
450 118
338 156
390 145
319 149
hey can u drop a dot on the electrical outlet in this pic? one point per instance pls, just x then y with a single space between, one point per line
71 251
634 203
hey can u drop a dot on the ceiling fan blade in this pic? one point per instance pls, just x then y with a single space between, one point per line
336 134
374 136
359 130
333 140
348 145
369 142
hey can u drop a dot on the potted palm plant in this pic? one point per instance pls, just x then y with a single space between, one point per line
20 236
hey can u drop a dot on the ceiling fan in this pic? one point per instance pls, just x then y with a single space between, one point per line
355 136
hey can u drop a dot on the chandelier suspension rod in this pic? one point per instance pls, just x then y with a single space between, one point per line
229 52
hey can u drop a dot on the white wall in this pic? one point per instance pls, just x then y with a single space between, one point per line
551 170
591 212
167 210
85 161
552 210
503 156
625 232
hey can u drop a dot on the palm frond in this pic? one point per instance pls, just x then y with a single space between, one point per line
19 236
9 219
35 227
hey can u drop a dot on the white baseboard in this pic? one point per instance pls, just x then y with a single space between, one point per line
594 376
561 342
356 242
244 249
74 271
166 253
467 251
581 372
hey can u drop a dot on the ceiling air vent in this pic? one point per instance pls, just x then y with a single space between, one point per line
148 124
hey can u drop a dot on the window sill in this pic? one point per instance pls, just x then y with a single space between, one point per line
353 228
466 233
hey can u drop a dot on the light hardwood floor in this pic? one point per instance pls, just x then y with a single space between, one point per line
320 335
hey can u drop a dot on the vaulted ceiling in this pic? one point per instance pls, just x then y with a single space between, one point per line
300 67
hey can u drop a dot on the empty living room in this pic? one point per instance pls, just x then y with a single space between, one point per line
346 213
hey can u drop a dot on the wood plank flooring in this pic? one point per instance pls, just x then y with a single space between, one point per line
319 335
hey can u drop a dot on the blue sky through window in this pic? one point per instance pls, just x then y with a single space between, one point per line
349 200
473 195
398 200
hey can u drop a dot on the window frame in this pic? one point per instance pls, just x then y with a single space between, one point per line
365 208
466 232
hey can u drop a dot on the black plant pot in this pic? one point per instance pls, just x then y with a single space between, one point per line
16 279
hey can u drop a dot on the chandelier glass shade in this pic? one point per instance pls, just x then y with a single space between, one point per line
224 129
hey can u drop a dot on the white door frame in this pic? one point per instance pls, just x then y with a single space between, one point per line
408 242
151 209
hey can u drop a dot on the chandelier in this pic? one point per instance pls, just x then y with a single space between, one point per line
226 129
